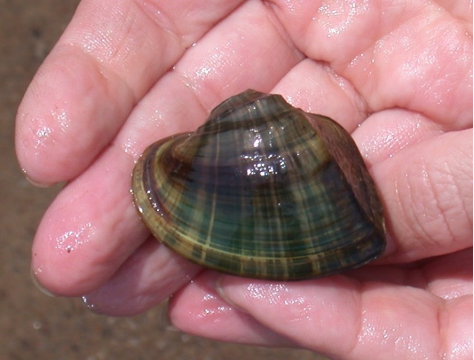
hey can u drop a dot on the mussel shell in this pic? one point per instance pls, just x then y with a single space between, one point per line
262 190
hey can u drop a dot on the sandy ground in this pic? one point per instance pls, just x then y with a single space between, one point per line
33 325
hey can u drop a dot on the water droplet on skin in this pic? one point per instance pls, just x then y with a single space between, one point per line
39 132
61 118
72 239
43 132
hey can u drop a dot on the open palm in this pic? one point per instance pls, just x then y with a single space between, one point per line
127 73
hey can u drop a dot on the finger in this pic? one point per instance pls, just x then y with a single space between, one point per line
232 57
314 87
427 192
342 318
383 134
447 277
92 227
169 108
417 56
450 276
459 9
102 65
86 233
144 280
198 309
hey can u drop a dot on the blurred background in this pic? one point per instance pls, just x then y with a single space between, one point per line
33 325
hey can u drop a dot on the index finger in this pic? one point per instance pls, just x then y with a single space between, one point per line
108 58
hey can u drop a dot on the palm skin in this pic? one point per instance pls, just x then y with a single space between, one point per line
125 74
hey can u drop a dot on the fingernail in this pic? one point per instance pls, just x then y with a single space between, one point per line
222 293
164 317
34 182
218 286
38 284
38 184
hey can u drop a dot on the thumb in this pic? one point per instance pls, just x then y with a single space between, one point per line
322 315
342 317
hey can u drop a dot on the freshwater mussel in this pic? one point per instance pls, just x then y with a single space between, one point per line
262 190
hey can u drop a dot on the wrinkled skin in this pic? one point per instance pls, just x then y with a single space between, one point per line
126 73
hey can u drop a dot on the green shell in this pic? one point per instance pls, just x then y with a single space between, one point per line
262 190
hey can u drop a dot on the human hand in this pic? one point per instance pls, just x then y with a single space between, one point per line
125 74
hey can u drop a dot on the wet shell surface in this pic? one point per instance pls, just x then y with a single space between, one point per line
262 190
